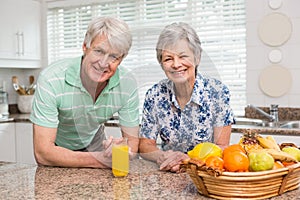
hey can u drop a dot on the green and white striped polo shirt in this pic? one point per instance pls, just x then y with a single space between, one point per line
61 102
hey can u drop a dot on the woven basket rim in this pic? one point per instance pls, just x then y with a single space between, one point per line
260 173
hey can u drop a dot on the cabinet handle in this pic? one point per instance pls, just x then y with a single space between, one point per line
18 43
22 43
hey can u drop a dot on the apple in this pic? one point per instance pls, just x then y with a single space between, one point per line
293 151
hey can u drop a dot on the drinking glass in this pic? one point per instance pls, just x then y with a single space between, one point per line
120 157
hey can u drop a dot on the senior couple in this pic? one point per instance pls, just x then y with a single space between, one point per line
74 97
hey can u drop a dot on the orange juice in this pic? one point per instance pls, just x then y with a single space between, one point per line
120 159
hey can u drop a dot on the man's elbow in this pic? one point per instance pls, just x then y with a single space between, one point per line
40 158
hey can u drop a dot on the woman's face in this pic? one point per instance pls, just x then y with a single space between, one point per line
178 62
100 60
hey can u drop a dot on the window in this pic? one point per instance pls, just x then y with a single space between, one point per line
220 25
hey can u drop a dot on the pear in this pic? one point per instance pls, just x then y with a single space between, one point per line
293 151
260 161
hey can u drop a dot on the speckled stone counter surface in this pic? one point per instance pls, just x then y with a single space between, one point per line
145 181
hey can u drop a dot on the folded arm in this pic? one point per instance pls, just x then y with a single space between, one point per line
47 153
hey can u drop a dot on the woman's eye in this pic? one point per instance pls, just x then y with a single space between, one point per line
167 59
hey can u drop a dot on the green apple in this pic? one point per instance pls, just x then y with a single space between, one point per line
260 161
293 151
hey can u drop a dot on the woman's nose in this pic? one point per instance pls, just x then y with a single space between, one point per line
177 62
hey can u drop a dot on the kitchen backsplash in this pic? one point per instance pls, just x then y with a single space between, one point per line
284 113
23 78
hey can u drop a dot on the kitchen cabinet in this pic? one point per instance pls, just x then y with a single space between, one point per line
24 143
7 142
112 131
20 36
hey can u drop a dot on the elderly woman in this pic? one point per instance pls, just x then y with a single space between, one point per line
185 109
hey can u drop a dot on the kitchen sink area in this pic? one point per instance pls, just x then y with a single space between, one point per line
282 123
285 131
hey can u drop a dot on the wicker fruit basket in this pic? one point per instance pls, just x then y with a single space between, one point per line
244 185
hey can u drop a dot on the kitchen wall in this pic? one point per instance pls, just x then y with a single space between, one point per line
257 55
258 52
23 74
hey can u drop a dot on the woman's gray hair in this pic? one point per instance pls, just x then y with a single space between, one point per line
116 30
174 32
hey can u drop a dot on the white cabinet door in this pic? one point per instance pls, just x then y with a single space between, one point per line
235 138
112 131
24 143
7 142
20 36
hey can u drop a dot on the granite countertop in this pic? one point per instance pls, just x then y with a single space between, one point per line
16 118
145 181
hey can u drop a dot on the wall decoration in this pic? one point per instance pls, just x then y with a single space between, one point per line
275 4
275 56
275 80
275 29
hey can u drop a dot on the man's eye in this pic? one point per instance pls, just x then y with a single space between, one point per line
99 51
113 57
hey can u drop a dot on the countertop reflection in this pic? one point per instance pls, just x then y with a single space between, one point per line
145 181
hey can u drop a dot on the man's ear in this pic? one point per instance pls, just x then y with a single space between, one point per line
84 48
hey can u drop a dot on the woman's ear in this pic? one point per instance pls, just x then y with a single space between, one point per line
197 61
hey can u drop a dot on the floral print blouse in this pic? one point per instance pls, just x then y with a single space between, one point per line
181 130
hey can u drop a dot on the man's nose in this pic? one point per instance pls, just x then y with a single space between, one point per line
104 61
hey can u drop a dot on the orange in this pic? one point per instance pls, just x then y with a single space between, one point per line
236 161
278 165
286 164
215 162
233 147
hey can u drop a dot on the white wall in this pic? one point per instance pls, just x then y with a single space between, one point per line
257 53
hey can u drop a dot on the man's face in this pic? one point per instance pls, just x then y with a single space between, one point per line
101 60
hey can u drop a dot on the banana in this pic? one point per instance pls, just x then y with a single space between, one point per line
271 138
267 143
278 155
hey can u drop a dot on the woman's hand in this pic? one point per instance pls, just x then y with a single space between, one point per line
171 160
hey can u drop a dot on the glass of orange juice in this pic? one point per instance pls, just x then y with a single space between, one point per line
120 157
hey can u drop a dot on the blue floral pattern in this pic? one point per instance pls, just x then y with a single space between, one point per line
181 130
